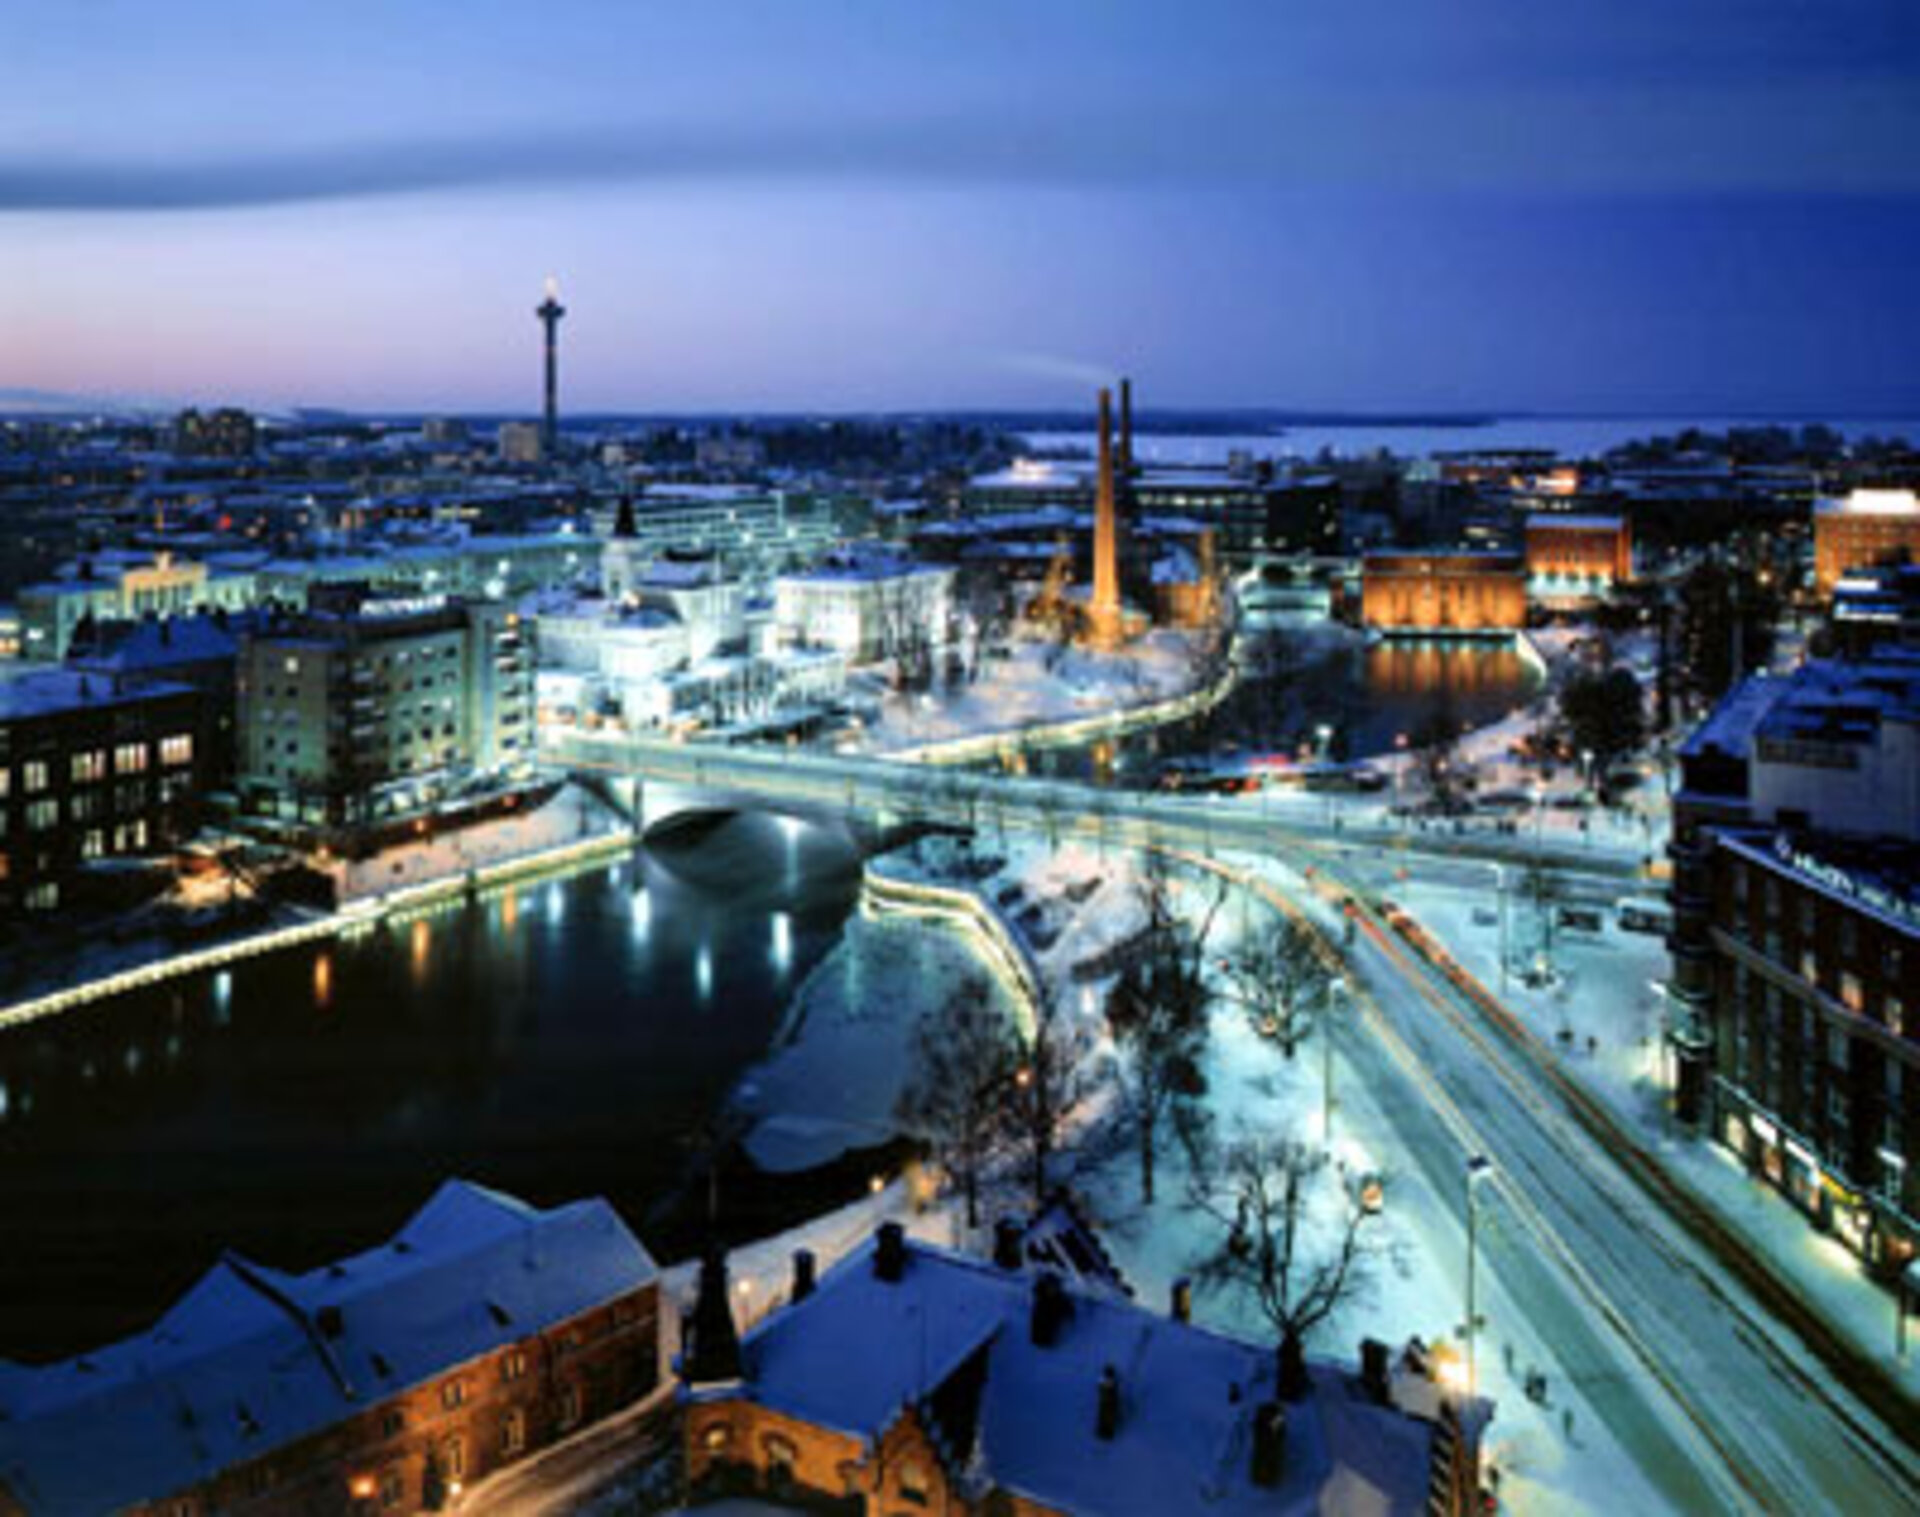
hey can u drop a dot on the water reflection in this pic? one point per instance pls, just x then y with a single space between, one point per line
142 1136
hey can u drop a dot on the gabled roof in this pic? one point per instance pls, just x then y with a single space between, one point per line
252 1358
950 1339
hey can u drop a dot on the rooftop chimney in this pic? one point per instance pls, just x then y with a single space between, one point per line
1106 1417
802 1275
1051 1308
1181 1305
1008 1249
890 1252
1269 1444
1375 1377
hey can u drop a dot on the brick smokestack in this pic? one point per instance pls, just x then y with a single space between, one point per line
1105 608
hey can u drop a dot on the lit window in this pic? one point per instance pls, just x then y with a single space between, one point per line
513 1431
514 1365
453 1393
89 766
1851 994
177 749
33 776
130 758
453 1455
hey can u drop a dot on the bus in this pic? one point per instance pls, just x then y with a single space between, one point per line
1646 914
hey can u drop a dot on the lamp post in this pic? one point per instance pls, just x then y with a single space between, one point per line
1893 1173
1500 888
1479 1167
1336 992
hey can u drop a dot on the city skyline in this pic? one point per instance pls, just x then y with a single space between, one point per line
771 209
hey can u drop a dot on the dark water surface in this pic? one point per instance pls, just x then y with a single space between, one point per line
556 1039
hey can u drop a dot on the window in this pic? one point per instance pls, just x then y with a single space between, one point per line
1851 994
570 1407
88 767
514 1365
1809 966
94 844
453 1393
513 1431
43 816
781 1457
453 1457
392 1422
33 776
130 758
43 897
1837 1051
292 664
1896 1015
913 1484
6 783
177 749
393 1488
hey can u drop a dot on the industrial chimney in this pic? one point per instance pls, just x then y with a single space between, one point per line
1126 429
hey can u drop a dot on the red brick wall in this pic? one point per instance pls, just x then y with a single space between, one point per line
608 1357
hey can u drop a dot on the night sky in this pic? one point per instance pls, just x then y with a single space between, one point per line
1582 204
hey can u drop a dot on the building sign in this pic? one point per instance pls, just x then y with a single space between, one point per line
1831 877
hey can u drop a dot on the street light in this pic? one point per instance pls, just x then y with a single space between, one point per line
1500 887
1479 1168
1336 991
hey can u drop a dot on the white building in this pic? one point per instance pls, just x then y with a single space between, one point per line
867 606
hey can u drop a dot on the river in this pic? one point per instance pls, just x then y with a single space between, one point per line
557 1039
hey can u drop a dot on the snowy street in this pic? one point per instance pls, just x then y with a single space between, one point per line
1720 1408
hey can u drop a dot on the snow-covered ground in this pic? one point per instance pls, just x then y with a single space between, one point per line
572 815
1038 685
1073 904
832 1083
1604 990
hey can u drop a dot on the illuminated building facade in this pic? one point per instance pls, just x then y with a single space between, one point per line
1447 592
364 710
911 1378
1575 562
92 766
390 1381
1796 942
1862 530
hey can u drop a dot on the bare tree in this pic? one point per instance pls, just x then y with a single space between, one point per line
1049 1083
1278 976
1263 1192
966 1057
1157 1011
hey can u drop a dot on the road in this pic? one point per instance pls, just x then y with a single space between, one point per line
1720 1405
1727 1404
849 783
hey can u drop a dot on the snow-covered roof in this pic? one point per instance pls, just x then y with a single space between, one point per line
252 1358
35 692
160 645
1870 503
1548 521
950 1338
